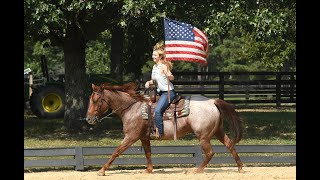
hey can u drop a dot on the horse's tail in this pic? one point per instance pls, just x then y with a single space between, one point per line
236 123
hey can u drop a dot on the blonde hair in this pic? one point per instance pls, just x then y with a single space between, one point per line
159 45
160 48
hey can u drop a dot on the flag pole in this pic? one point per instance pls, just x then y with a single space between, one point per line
174 116
168 81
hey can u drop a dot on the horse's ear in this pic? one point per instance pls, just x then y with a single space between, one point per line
93 86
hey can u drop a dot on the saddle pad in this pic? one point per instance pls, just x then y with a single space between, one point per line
168 114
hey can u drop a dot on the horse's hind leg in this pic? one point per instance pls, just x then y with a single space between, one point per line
224 139
125 144
147 151
207 149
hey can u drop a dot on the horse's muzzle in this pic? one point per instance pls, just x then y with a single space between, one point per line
92 120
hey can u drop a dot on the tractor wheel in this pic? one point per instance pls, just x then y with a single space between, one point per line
48 102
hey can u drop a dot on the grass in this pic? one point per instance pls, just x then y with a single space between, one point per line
271 126
263 126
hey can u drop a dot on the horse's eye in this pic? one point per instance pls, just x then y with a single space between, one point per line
95 98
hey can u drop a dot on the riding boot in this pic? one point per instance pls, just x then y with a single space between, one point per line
155 135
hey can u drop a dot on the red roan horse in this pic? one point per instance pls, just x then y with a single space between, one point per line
205 120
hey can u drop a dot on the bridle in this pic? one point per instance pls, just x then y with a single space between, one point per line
101 97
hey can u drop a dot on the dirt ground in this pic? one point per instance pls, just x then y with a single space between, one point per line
251 173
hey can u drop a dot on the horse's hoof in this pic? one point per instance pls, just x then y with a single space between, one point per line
241 170
101 173
147 171
199 171
190 171
194 171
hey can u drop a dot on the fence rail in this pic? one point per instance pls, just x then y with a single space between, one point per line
80 157
248 87
235 87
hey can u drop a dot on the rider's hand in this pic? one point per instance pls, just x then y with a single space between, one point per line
171 77
147 85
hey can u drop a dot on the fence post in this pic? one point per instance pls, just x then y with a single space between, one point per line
278 89
30 84
291 86
221 86
198 155
79 159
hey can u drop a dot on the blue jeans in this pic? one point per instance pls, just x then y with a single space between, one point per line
162 105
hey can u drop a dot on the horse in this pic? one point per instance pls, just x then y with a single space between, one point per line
205 120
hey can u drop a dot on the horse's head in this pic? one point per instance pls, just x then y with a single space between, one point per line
97 106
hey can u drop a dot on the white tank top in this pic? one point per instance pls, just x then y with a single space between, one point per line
162 82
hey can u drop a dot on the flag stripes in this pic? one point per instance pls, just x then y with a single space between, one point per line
184 42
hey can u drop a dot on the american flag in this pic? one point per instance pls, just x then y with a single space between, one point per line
184 42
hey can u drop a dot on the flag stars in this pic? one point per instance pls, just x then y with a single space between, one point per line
182 38
179 31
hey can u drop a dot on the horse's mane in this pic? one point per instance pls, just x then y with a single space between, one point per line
129 88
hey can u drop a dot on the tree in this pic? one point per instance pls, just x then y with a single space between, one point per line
136 25
70 25
268 26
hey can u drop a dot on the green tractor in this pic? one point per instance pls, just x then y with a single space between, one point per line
44 96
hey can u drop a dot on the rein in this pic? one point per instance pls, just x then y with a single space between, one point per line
113 111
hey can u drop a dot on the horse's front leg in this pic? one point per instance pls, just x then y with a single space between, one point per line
125 144
147 151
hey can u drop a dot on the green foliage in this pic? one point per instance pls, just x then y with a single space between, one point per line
182 66
98 54
34 50
45 19
273 55
42 18
147 68
244 35
231 56
272 39
268 30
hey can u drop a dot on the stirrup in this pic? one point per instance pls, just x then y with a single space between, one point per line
155 135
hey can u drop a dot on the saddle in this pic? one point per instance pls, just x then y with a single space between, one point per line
179 107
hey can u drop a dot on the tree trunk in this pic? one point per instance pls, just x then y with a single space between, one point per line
75 77
117 54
